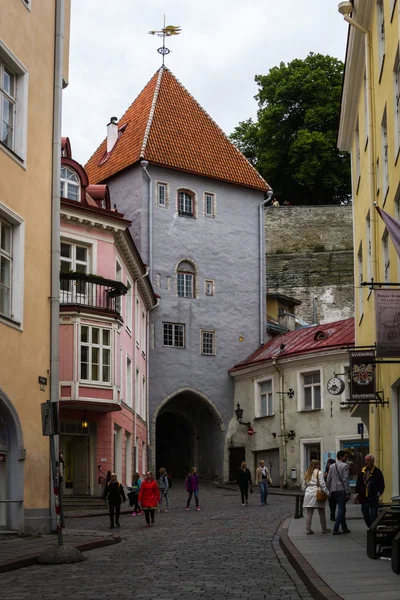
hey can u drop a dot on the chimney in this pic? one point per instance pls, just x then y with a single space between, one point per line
112 133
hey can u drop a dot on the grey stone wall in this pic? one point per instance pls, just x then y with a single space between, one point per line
309 254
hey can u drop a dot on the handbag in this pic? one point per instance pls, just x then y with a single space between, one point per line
321 496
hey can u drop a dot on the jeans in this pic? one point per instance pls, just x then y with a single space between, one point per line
244 492
117 506
339 497
147 514
164 496
309 516
263 491
196 497
369 512
332 507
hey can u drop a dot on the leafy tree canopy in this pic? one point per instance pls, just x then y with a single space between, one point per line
293 141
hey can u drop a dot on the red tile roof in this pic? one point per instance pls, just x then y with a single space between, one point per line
166 126
303 341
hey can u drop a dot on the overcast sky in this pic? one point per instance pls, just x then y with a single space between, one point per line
223 45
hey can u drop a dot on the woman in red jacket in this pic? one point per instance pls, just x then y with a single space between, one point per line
149 497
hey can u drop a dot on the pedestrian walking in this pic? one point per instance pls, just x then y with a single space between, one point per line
192 487
244 481
369 487
313 483
164 489
149 497
136 483
331 499
338 485
263 478
114 491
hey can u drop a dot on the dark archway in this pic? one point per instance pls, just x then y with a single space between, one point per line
189 432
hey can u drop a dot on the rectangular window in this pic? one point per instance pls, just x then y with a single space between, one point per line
185 204
208 343
128 306
209 205
144 330
6 251
137 392
185 285
162 194
144 399
209 287
12 230
128 458
381 32
143 457
357 157
137 322
174 335
8 105
385 157
311 384
73 258
128 398
266 408
95 354
13 103
118 277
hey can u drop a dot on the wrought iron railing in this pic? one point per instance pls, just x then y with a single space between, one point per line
91 291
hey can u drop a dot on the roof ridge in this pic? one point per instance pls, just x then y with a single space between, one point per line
152 110
216 125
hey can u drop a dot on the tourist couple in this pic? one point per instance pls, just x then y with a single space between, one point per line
263 479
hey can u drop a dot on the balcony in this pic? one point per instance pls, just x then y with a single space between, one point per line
91 293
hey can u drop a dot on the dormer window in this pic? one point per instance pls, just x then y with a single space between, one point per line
70 184
320 335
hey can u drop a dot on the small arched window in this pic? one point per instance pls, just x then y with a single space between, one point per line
185 204
70 184
186 279
320 335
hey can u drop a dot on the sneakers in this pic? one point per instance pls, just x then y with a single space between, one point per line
134 514
243 505
327 530
148 524
336 532
140 513
187 508
309 532
347 530
197 508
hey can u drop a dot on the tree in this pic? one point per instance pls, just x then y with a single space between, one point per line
293 141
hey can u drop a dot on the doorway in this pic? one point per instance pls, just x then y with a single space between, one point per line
236 457
76 471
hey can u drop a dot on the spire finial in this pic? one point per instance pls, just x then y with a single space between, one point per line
166 31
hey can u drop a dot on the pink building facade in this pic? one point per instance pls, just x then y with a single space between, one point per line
105 298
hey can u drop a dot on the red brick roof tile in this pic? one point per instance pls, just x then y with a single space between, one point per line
166 126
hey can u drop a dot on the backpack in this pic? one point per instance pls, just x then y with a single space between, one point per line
169 482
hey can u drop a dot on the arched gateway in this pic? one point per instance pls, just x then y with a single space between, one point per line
188 430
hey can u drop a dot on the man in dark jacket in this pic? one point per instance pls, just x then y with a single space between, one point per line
369 487
114 491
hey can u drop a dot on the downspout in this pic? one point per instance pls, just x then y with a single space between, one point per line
134 368
261 260
55 222
282 421
149 453
144 164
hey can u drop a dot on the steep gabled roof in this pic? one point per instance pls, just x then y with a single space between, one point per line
166 126
316 338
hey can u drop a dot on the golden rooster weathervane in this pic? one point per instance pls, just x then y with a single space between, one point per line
166 31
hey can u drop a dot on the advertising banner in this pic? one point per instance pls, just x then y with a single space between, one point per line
362 375
387 303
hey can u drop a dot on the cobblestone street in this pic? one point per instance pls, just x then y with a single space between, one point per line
223 551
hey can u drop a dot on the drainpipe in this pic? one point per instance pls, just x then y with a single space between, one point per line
261 260
144 164
134 366
55 228
282 421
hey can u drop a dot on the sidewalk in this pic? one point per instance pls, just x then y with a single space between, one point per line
337 567
19 552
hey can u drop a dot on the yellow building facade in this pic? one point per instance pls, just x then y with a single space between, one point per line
370 130
32 34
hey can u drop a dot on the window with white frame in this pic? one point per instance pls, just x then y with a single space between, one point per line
70 184
118 277
396 112
378 176
208 343
209 287
74 257
137 322
95 354
174 335
360 290
162 194
209 204
128 385
365 111
6 259
143 457
385 157
185 204
381 31
137 392
357 158
144 330
185 280
265 398
13 103
311 390
386 256
128 305
144 398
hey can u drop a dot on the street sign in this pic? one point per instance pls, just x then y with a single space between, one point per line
49 418
360 428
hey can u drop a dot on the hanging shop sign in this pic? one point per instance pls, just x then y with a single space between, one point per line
387 303
362 375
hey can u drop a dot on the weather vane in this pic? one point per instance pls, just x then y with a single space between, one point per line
166 31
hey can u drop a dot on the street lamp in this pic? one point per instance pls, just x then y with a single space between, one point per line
239 415
85 423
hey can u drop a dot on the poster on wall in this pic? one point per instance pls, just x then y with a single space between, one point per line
387 303
362 375
327 456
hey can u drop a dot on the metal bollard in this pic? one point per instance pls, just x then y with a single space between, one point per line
297 509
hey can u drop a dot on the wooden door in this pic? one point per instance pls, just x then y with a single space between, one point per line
236 457
81 447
